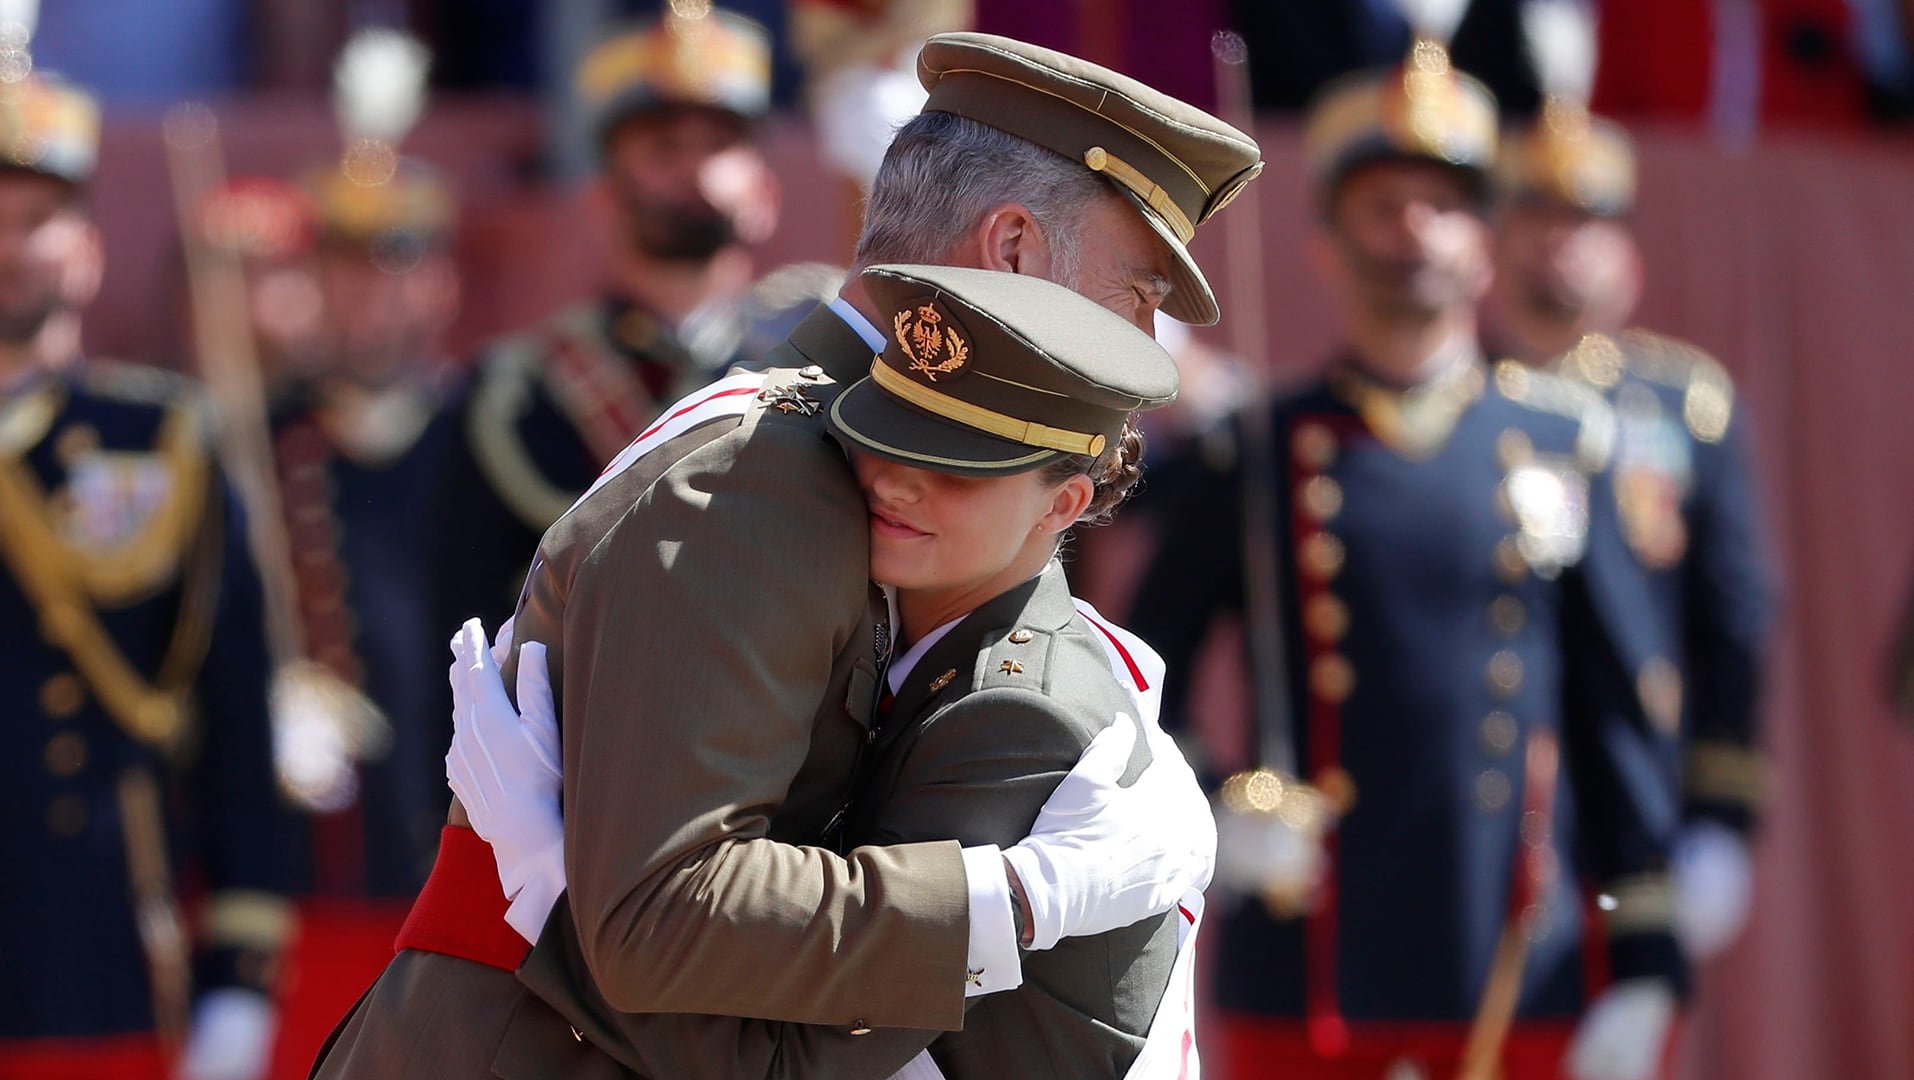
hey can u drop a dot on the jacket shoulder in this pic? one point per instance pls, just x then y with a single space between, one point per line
1553 403
1706 390
131 405
1062 671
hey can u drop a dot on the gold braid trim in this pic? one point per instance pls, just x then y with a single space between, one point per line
503 395
63 587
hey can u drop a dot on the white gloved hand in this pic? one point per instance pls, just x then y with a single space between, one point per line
231 1037
1100 856
1714 888
1623 1034
1261 854
505 769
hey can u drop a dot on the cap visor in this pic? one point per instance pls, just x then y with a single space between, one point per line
1191 299
873 422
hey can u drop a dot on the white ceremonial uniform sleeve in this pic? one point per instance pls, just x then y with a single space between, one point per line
995 962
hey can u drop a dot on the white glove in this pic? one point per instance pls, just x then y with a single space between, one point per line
231 1037
1624 1032
1263 855
1100 856
505 770
1714 887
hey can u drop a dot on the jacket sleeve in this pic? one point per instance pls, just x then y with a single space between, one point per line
1730 605
692 673
979 773
1622 766
240 825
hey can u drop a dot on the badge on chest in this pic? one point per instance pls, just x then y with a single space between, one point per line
110 499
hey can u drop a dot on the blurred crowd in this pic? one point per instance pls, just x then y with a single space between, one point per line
1500 505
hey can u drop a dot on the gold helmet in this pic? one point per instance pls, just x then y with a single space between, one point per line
48 126
695 55
1566 153
373 195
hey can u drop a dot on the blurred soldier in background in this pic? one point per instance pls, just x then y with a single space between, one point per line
1567 278
358 458
675 107
144 834
1423 548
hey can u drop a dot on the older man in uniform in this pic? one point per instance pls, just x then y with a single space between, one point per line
1567 278
716 649
674 106
137 750
1427 540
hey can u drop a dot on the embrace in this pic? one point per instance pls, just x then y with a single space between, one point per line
788 848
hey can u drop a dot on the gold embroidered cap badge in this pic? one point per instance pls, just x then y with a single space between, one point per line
933 347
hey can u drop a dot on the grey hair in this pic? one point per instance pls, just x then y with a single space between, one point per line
943 172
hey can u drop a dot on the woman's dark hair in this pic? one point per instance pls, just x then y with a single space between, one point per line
1114 473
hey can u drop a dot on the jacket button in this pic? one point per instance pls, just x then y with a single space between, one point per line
62 695
65 754
860 1027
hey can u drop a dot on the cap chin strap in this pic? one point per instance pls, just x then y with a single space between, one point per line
1100 160
989 421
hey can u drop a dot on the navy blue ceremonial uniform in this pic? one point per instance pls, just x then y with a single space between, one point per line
1686 503
544 412
137 748
1451 588
362 561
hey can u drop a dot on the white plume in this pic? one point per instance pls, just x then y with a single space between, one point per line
22 13
378 85
1434 18
1561 40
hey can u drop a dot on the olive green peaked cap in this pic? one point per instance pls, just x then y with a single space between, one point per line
1178 164
985 372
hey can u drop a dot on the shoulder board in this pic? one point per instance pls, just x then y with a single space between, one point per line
1553 394
787 395
1018 658
1708 393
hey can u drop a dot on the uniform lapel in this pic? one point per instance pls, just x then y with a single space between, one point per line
1042 603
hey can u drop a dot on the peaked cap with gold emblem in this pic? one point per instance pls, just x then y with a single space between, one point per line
49 126
1178 164
1420 110
696 55
986 373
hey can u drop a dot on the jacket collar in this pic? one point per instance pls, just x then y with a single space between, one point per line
1042 603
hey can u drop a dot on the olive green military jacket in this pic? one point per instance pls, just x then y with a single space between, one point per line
983 728
710 632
